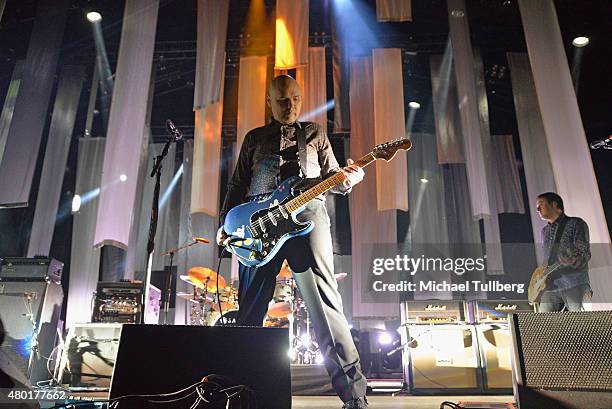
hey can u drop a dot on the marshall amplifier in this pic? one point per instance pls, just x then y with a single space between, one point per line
493 332
433 312
31 269
496 311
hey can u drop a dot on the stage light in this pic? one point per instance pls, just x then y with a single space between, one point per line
424 180
76 203
580 41
94 16
123 177
414 105
384 338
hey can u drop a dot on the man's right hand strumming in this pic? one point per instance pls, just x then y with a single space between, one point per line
222 237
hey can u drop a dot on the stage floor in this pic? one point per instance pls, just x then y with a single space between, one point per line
393 402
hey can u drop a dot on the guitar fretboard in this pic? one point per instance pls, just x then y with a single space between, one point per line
324 186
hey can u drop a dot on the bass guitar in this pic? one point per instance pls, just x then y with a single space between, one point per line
259 229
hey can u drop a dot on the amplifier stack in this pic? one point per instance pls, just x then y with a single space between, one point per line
458 347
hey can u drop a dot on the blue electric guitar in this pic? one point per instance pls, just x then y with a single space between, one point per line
259 229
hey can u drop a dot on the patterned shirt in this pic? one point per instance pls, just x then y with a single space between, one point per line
574 243
269 155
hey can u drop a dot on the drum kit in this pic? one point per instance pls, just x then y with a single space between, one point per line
210 306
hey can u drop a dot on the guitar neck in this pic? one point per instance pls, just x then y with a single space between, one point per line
324 186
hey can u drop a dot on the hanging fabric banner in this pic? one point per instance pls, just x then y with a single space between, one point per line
569 153
251 97
505 175
446 108
291 34
340 75
463 61
84 257
312 80
56 154
210 51
368 225
534 148
32 103
394 10
126 123
207 157
389 124
9 105
492 236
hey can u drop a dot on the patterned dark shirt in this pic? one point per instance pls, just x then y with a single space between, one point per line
574 243
269 155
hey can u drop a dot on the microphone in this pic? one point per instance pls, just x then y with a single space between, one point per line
601 143
176 133
200 239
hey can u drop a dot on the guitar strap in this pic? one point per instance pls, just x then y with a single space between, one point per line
552 258
302 151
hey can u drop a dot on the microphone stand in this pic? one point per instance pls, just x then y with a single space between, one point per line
174 135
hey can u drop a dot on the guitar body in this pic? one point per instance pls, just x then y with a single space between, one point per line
259 229
537 284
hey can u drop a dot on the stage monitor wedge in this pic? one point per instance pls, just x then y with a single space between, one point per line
562 360
155 359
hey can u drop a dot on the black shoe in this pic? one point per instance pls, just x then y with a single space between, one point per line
358 403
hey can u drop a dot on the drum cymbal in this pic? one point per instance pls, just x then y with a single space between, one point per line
203 277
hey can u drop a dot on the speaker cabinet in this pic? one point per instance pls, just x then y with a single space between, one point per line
562 360
30 315
494 341
442 358
154 359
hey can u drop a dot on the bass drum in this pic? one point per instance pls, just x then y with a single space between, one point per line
228 317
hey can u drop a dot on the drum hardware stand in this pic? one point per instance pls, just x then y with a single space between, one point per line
171 253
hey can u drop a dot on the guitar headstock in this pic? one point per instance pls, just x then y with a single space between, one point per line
388 150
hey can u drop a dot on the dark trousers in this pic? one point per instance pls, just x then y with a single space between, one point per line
572 299
311 260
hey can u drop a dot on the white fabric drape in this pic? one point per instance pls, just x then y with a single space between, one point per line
569 153
495 262
389 123
85 258
126 123
210 51
291 34
56 155
30 113
368 225
9 105
463 60
534 147
251 97
394 10
446 109
505 175
312 79
207 158
428 234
